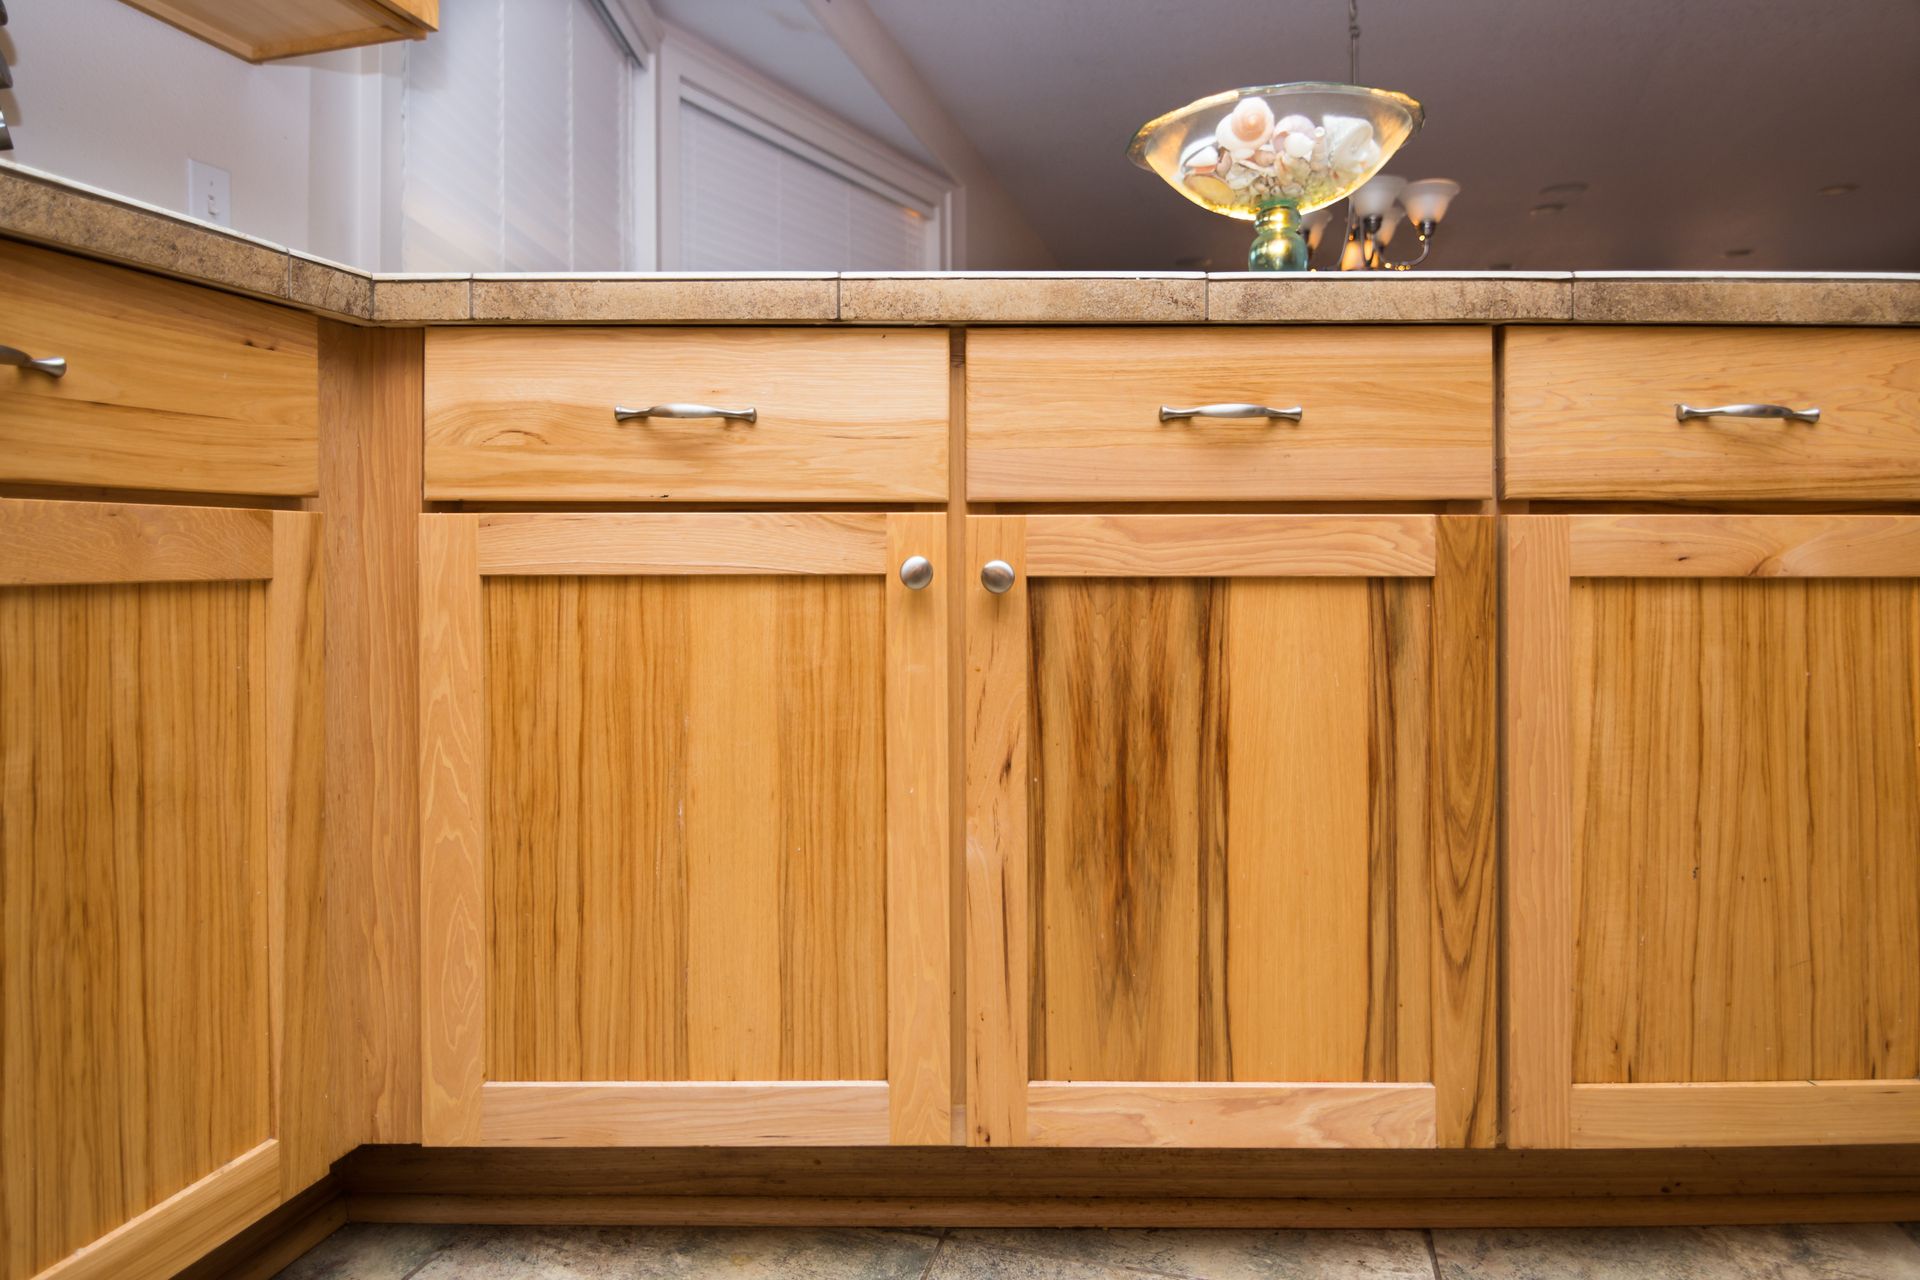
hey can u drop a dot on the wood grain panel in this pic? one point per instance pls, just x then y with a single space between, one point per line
844 414
829 1113
919 839
1346 1116
1733 546
996 910
1229 830
453 833
168 385
697 893
1464 797
1590 413
1074 413
1226 546
1747 804
1770 1113
135 987
370 491
46 543
1539 782
707 542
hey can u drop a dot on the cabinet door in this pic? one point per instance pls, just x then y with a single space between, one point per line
1714 829
685 830
160 962
1229 831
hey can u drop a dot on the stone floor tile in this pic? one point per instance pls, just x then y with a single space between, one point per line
666 1253
371 1251
1867 1252
1228 1255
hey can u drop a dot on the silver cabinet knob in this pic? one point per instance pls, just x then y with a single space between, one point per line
916 572
997 577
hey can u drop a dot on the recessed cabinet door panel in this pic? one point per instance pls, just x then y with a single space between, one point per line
688 860
1721 860
159 826
1249 911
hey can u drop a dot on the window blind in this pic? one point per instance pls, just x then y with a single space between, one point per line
517 153
749 204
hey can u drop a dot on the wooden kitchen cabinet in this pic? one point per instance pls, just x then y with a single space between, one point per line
1230 873
1713 778
262 30
161 965
684 819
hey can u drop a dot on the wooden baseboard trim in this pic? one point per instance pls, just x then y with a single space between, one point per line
268 1246
903 1211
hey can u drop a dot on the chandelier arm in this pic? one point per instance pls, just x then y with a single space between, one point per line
1426 247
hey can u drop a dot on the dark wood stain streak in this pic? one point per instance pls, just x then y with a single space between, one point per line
1215 942
1119 671
1464 855
1383 837
1039 655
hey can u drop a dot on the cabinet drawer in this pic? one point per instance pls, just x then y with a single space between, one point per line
168 385
1075 414
1591 413
855 415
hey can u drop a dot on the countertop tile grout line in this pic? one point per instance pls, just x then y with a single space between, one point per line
1433 1252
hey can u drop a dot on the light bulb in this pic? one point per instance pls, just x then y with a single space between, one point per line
1352 257
1387 224
1377 195
1316 226
1427 199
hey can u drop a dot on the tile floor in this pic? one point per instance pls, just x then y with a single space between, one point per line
370 1252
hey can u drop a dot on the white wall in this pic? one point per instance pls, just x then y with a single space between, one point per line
108 96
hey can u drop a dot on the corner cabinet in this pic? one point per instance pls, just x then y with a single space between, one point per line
1713 780
685 829
1230 804
161 966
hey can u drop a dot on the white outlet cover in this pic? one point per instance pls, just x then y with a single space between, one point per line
209 193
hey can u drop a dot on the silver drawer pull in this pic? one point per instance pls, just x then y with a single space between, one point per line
997 576
1686 412
748 414
1170 414
52 366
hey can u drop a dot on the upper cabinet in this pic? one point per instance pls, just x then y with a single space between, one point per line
262 30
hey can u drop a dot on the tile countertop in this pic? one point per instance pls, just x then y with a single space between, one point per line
40 207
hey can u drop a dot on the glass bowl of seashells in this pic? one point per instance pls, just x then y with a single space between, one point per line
1268 155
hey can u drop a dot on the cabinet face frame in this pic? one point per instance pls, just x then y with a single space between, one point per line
460 1105
1543 555
48 543
1005 1106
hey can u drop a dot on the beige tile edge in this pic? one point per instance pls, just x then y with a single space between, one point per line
46 209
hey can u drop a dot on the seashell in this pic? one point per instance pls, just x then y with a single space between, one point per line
1240 177
1251 121
1295 123
1205 160
1347 138
1264 158
1229 141
1210 188
1299 145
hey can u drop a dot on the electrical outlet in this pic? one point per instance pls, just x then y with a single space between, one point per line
209 193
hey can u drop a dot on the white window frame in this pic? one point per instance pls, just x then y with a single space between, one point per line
690 72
